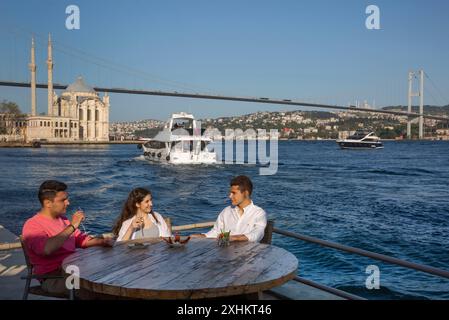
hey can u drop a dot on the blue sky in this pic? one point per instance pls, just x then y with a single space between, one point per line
316 51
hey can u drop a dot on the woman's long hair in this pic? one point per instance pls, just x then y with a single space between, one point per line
129 209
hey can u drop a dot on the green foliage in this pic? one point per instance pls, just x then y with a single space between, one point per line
10 112
10 107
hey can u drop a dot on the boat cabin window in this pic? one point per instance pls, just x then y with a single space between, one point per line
177 146
359 134
155 145
183 146
182 124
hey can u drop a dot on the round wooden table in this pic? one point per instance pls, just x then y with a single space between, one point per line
200 269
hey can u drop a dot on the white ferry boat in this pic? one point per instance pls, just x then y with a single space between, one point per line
180 142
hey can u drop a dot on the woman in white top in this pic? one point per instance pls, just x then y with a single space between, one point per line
138 220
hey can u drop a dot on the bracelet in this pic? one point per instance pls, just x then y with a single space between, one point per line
71 225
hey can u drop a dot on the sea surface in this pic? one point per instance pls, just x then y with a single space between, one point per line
393 201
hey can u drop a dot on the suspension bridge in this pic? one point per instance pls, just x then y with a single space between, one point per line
232 98
108 65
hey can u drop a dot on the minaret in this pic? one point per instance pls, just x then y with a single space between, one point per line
32 67
105 119
50 77
421 105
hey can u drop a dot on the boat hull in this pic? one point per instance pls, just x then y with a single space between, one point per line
360 145
161 156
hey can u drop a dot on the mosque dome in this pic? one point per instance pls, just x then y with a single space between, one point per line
80 86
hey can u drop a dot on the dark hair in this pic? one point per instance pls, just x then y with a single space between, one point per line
49 189
244 184
129 208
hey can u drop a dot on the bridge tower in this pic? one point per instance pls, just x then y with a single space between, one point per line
420 94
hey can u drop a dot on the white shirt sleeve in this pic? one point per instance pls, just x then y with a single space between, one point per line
258 229
218 226
123 229
164 231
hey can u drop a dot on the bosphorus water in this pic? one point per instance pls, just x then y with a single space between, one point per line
393 201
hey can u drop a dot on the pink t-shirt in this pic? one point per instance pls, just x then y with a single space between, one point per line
36 232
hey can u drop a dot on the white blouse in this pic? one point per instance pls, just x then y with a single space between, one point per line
164 231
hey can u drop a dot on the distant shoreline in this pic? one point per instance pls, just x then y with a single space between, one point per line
30 145
136 142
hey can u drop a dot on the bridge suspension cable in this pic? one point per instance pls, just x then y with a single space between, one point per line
444 98
108 64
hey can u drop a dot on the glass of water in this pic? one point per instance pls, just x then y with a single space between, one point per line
82 221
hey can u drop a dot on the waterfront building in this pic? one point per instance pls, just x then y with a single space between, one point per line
78 114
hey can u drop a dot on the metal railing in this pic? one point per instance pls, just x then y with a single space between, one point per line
337 292
365 253
369 254
406 264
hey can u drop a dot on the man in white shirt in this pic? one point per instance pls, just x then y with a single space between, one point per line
243 219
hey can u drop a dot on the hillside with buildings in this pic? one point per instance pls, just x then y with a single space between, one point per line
305 124
290 124
134 129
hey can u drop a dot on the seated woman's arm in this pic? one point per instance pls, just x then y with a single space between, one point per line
128 229
128 233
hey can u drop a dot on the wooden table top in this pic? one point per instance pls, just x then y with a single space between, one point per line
200 269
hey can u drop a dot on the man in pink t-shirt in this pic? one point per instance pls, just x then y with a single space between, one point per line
50 237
